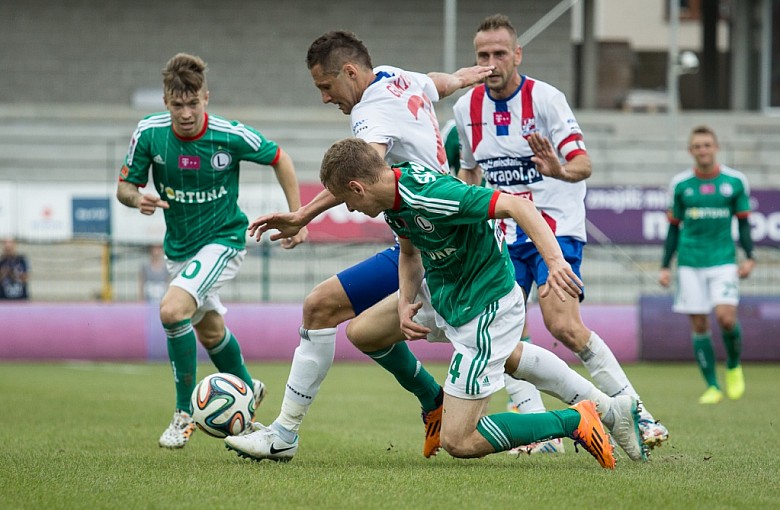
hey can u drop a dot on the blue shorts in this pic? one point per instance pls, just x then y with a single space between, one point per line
369 282
530 267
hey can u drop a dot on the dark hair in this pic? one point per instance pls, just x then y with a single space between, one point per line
333 49
184 74
496 22
347 160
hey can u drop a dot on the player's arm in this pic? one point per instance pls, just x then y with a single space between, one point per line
289 224
128 194
449 83
670 247
471 175
288 180
746 241
578 168
410 277
562 279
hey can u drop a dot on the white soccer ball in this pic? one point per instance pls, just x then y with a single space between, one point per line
222 405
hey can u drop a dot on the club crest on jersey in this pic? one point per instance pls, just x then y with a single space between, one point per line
189 162
221 160
528 126
726 189
423 224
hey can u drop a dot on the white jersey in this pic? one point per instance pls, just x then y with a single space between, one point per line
397 110
493 135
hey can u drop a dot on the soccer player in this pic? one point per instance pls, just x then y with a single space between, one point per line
194 158
703 201
456 284
392 110
505 127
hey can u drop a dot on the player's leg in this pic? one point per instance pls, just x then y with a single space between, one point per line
564 321
376 333
482 349
724 295
553 376
693 299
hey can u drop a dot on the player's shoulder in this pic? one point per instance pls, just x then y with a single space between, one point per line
682 177
464 101
155 120
732 172
235 128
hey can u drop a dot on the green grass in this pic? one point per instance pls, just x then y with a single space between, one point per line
85 436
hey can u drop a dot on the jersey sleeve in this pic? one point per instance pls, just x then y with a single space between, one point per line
564 130
139 157
742 202
254 147
676 208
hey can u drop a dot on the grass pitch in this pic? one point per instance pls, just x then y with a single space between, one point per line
83 435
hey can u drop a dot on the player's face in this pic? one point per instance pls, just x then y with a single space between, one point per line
340 89
703 148
357 198
187 112
498 48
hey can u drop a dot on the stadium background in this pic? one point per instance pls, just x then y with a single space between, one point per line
79 74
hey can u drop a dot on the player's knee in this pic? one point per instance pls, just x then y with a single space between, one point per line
355 334
171 312
323 309
566 332
456 447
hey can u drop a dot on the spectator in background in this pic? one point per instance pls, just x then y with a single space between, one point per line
703 200
14 272
153 276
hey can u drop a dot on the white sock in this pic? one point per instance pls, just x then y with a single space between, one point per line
311 362
552 375
524 395
605 370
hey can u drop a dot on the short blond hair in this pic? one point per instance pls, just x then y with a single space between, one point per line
348 160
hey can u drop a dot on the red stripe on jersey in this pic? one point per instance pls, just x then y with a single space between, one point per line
528 121
475 111
397 201
276 158
574 137
492 207
743 214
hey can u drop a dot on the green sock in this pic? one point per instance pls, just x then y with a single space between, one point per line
705 357
409 372
184 359
226 356
507 430
733 342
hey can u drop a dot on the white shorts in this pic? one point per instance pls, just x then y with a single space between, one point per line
204 274
482 345
700 289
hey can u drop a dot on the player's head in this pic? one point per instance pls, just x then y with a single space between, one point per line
495 43
703 145
185 93
349 169
341 68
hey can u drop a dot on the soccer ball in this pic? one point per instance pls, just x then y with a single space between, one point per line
222 405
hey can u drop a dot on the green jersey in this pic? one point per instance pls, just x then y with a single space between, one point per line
466 263
705 208
198 177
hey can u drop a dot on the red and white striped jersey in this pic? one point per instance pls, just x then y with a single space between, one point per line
493 135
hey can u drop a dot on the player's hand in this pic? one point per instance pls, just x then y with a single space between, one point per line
562 280
665 277
291 242
149 203
474 74
545 157
410 329
746 267
287 223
